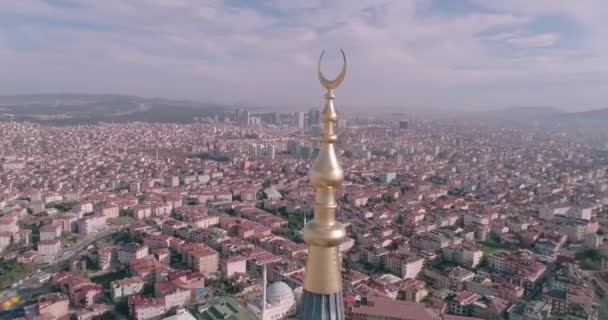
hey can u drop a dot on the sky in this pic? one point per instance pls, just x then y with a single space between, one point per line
432 54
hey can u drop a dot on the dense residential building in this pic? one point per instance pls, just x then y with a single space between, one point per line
90 224
234 265
50 232
131 251
368 308
521 269
48 250
123 288
531 310
405 266
467 217
51 305
467 255
141 308
201 258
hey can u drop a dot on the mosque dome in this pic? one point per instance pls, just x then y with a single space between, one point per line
278 292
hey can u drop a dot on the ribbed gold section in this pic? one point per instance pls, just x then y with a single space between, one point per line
323 234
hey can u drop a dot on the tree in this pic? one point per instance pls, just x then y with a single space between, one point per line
482 264
388 198
126 212
231 286
282 211
121 185
400 219
458 192
592 254
64 206
11 272
347 264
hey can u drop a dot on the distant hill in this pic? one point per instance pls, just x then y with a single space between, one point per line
519 115
85 108
597 114
538 114
526 112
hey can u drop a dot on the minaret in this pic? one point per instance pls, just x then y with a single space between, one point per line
322 297
264 285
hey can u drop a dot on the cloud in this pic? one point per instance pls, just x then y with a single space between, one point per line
265 52
534 41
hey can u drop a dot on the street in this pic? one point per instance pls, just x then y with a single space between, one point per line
46 270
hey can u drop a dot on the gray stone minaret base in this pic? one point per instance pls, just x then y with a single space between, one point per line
322 306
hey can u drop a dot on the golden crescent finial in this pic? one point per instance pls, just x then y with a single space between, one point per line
332 84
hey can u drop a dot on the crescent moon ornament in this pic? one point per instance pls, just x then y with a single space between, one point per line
332 84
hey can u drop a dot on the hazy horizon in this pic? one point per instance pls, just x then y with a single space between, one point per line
464 55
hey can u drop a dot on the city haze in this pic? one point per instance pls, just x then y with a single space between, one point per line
443 55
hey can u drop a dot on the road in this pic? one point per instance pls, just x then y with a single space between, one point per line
26 295
68 254
45 270
601 292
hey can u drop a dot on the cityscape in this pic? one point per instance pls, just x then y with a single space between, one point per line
178 160
444 219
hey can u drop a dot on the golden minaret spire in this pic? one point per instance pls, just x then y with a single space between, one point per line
323 278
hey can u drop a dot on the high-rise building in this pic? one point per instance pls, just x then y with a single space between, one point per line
322 295
275 118
245 118
314 117
403 125
300 120
237 115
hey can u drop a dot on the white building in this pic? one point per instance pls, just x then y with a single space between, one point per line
50 232
206 222
580 212
91 224
131 251
411 267
123 288
110 211
233 265
147 308
464 254
406 266
5 240
300 120
48 250
547 212
181 314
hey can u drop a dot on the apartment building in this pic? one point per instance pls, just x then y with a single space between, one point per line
201 258
131 251
123 288
48 250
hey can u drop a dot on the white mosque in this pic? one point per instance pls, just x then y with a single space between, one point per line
279 301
